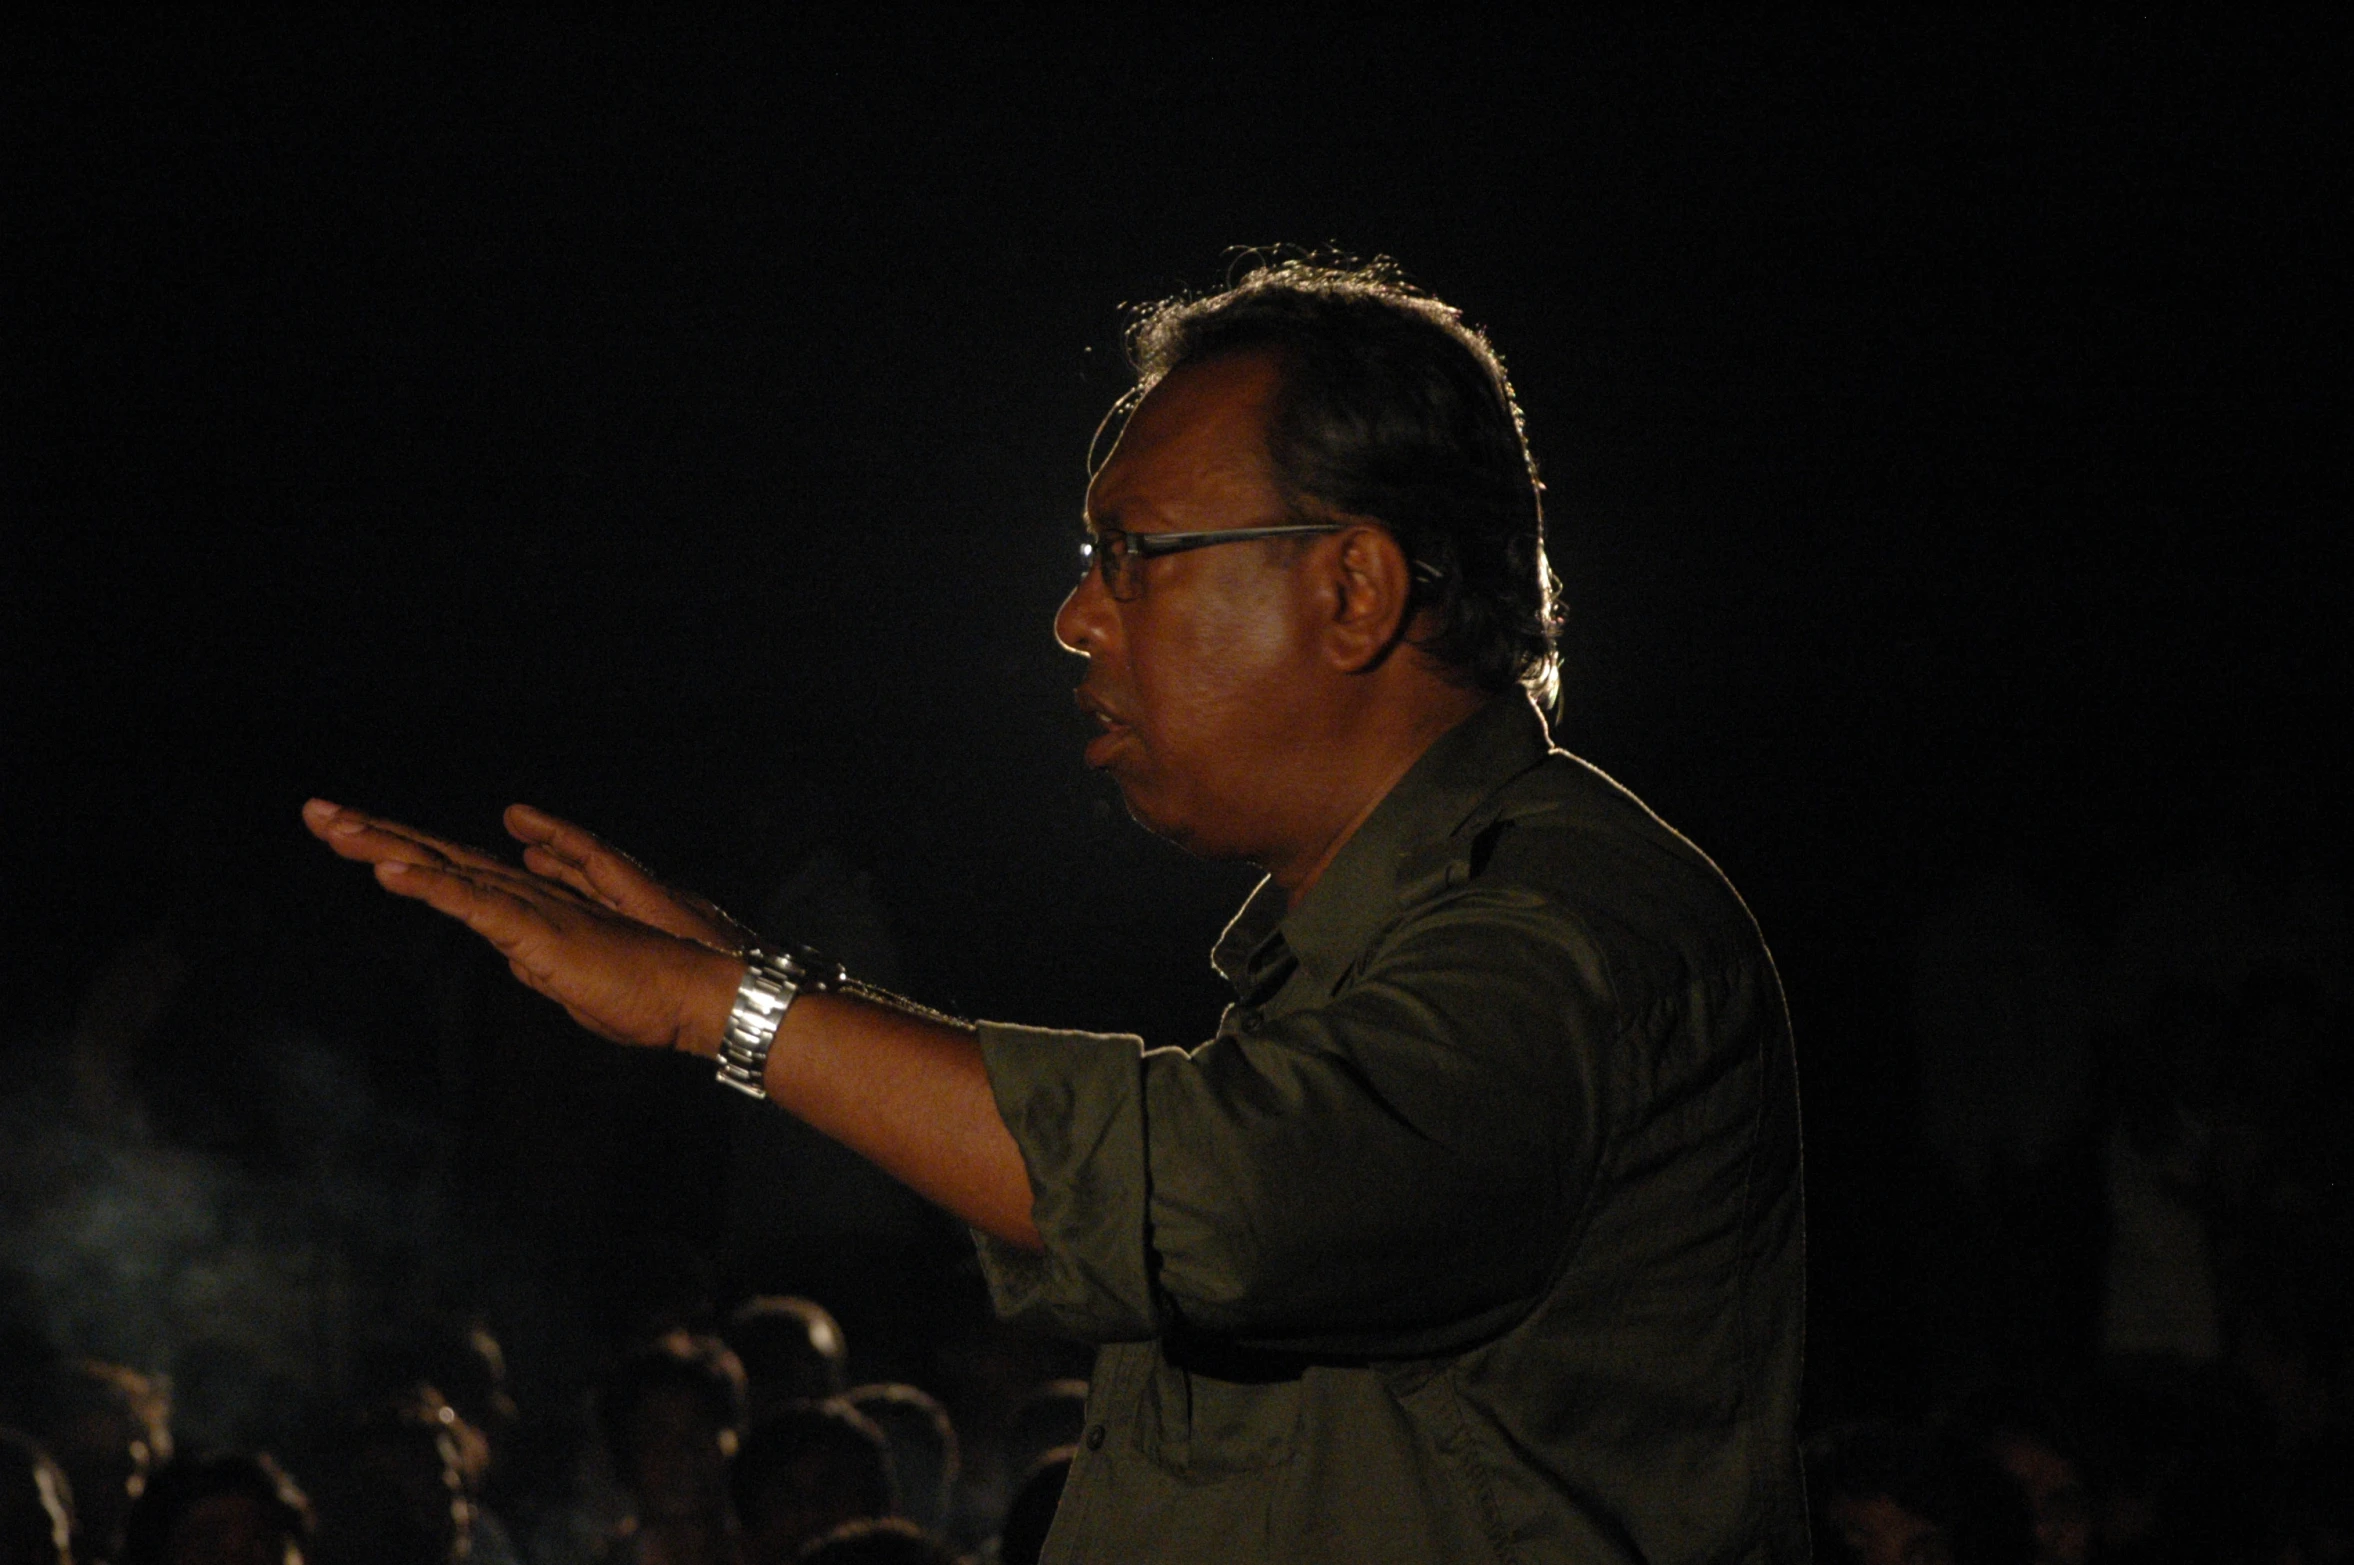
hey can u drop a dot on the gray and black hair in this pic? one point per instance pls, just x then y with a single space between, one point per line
1392 408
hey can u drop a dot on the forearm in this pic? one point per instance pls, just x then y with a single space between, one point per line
908 1093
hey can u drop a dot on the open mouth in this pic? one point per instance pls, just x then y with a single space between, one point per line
1095 707
1110 729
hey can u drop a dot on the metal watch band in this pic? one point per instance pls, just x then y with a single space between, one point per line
772 981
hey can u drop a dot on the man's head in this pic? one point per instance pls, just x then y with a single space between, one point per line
1388 407
1234 682
791 1349
2059 1502
394 1489
108 1427
924 1453
1885 1493
673 1413
806 1470
241 1509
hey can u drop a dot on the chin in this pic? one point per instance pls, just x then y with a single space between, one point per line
1152 820
1181 829
1155 815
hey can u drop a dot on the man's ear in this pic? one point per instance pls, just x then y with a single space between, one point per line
1370 584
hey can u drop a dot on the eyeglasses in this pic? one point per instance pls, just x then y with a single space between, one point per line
1121 554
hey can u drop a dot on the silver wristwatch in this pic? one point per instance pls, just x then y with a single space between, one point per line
772 979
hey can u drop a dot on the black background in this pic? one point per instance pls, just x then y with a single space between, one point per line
684 429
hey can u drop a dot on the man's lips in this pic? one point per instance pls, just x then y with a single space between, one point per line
1112 728
1096 706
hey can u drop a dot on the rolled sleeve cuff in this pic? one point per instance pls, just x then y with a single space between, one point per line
1074 1102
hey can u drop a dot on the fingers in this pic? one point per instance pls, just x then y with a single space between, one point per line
358 835
549 866
560 851
573 843
501 912
371 839
580 858
526 823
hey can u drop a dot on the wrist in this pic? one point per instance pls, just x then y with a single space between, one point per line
711 996
770 982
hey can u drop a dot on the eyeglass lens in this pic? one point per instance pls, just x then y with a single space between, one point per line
1108 550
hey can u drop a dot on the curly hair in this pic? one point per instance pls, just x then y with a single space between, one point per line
1391 407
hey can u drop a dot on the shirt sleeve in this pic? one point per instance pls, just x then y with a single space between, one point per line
1074 1102
1392 1173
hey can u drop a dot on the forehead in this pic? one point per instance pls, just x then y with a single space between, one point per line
1194 453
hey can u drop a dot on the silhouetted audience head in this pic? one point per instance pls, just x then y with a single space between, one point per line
1036 1498
36 1507
226 1510
806 1470
924 1452
397 1496
673 1415
792 1351
1884 1493
108 1427
2052 1481
1049 1418
890 1540
2033 1440
461 1359
470 1368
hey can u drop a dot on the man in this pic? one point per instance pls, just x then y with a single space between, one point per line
1474 1233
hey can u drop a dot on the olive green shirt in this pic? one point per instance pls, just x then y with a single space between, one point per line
1474 1234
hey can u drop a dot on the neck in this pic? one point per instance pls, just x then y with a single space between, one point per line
1347 795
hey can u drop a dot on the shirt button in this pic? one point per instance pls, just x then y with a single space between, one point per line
1095 1438
1248 1019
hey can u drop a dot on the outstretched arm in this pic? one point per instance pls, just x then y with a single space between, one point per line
637 963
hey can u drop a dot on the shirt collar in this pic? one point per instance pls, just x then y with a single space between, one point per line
1361 887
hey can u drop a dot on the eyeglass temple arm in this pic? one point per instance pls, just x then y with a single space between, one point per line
1149 544
1171 543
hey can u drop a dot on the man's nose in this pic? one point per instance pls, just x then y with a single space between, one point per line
1078 624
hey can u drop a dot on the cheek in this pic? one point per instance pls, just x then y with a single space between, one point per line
1217 671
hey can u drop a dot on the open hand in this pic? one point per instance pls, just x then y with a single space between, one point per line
666 980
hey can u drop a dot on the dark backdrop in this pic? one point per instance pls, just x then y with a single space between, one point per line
684 429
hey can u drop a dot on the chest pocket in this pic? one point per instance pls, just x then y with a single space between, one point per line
1209 1413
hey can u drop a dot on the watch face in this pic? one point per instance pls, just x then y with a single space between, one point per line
807 968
